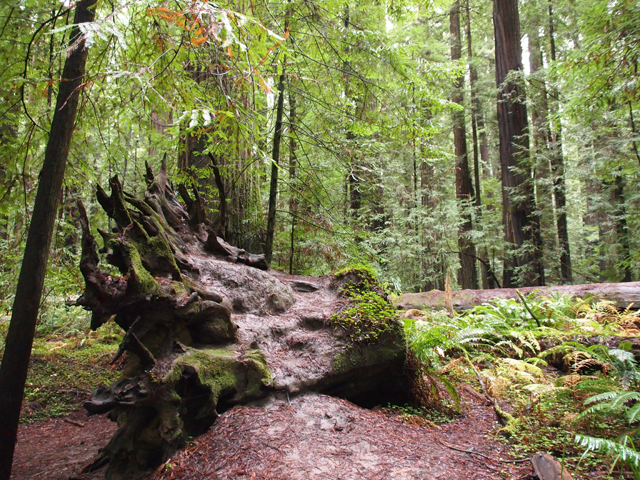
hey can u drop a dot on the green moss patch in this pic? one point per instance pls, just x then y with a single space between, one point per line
258 374
384 351
368 314
144 283
214 367
62 376
224 373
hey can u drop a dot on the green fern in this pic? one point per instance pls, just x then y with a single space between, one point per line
627 403
623 449
614 402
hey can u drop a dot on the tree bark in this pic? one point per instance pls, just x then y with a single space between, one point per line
222 195
293 164
275 157
15 362
522 263
477 122
467 275
621 294
540 153
557 168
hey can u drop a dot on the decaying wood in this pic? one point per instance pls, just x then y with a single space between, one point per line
620 294
207 327
548 468
217 245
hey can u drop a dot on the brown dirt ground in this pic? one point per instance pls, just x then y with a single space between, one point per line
59 448
307 437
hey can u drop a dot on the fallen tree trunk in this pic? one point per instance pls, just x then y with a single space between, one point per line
207 332
620 294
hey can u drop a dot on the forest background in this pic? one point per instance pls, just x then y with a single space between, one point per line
492 143
332 133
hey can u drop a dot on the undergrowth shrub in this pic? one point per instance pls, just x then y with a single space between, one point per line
590 405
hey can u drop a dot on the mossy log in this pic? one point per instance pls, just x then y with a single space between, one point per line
174 290
620 294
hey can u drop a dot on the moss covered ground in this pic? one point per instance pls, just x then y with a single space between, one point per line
66 366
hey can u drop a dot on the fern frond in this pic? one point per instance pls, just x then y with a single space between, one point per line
510 345
609 447
633 415
526 339
622 355
621 399
537 361
588 363
600 352
602 396
614 402
593 409
470 335
565 347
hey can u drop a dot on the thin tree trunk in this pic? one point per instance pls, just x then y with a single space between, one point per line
557 168
353 177
275 157
222 195
522 263
293 164
622 231
482 134
15 362
634 132
540 153
467 275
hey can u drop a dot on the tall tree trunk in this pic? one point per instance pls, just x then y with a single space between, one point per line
634 132
467 275
476 121
557 168
275 158
540 153
522 264
354 175
15 362
622 231
594 217
293 165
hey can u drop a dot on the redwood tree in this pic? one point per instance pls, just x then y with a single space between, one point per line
467 276
15 362
522 264
557 168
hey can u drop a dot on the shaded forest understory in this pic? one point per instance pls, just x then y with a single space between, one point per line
280 175
205 328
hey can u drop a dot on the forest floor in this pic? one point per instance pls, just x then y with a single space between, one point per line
311 436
